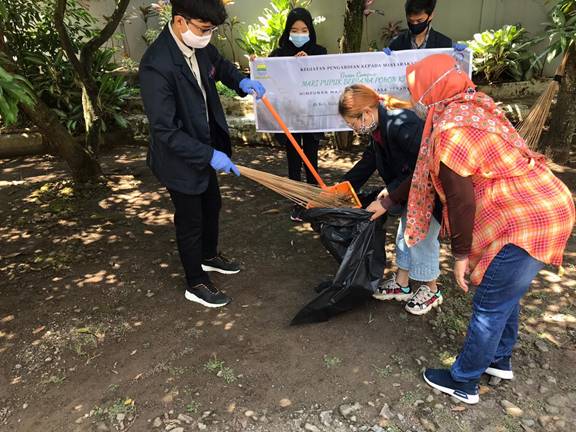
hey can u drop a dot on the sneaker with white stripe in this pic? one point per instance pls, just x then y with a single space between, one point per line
441 379
501 368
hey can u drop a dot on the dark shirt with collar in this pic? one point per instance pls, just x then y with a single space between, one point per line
434 40
185 128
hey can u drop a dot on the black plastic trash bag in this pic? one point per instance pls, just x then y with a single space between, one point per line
358 245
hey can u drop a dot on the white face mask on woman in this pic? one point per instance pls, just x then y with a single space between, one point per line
195 41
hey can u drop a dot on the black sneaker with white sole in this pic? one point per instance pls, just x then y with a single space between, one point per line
441 379
501 368
207 295
296 214
220 264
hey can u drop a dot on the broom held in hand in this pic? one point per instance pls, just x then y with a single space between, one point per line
293 142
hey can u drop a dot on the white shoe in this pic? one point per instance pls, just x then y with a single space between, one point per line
391 290
424 301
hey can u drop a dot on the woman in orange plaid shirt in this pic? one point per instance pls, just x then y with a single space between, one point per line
506 213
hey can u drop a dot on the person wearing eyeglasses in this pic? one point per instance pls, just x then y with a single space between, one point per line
189 137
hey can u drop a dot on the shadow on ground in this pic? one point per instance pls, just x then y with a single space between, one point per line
95 333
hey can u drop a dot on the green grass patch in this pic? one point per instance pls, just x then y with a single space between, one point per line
331 362
110 413
218 368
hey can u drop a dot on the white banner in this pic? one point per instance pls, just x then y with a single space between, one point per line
305 90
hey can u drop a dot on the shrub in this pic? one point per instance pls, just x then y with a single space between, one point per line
503 54
33 40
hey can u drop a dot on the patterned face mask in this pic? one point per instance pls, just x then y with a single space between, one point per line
366 129
420 108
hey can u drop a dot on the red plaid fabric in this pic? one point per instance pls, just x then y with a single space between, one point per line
518 198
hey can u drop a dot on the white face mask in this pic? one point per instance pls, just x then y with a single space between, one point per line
195 41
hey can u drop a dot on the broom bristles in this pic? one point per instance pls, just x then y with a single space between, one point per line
532 127
303 194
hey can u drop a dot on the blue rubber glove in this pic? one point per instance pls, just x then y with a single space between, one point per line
250 86
387 51
221 162
459 47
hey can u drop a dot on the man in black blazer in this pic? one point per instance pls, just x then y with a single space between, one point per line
419 15
189 138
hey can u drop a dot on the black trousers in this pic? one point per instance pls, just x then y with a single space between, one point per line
310 143
196 219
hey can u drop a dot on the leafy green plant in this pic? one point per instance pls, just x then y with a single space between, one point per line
213 365
110 413
503 54
129 64
332 361
14 90
218 368
561 29
114 90
262 38
113 95
225 91
161 10
193 407
28 27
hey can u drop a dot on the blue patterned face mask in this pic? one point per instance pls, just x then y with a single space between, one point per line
299 39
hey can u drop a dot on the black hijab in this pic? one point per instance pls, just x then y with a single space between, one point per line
287 48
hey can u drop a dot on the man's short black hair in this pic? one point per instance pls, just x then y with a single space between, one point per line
415 7
212 11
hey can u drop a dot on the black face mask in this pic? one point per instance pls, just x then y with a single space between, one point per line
416 29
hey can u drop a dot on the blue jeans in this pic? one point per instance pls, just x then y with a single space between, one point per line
422 261
493 328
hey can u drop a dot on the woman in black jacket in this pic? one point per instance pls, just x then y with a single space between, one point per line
393 150
299 39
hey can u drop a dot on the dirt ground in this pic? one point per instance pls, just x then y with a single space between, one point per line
95 333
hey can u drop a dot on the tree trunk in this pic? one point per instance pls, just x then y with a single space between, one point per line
82 164
92 119
350 42
82 65
562 132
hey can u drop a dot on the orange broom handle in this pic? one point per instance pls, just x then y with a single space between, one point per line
293 142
